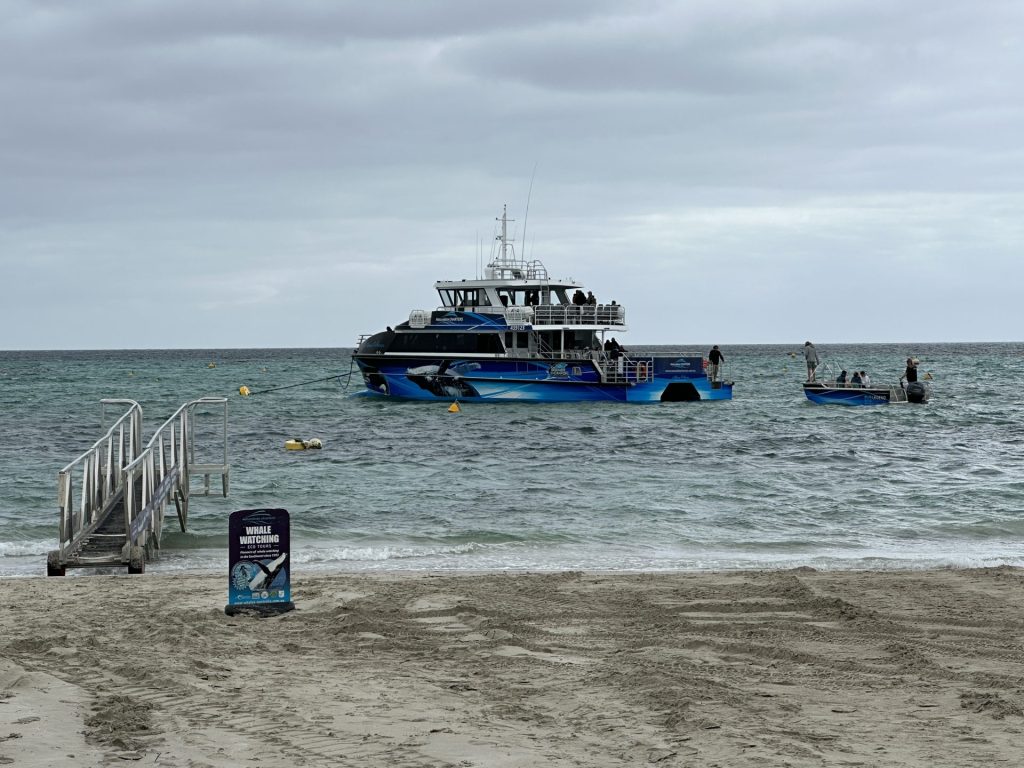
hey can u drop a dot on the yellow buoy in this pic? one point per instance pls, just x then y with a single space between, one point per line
454 408
212 365
243 391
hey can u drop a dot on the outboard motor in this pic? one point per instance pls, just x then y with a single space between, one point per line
917 392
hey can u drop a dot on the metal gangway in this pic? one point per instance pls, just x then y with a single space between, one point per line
113 497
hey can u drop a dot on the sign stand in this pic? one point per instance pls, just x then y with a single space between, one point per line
259 568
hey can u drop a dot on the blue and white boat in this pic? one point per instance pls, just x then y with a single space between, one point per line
831 391
516 335
827 393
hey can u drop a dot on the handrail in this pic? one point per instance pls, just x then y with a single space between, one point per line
102 476
624 369
162 471
575 314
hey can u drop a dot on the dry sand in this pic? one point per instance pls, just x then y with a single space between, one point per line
775 668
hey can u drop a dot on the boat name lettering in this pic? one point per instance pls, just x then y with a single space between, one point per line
518 327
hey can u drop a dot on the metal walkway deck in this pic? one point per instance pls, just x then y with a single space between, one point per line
123 489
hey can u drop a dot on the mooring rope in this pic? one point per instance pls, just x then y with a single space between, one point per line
244 391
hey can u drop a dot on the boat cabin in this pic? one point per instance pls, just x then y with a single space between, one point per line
514 310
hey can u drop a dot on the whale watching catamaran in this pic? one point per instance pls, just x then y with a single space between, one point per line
517 335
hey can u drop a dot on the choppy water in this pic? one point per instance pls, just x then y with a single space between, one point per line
765 480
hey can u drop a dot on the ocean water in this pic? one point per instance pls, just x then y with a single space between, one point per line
765 480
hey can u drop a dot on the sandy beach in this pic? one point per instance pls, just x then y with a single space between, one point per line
773 668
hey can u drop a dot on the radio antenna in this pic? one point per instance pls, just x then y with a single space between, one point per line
526 215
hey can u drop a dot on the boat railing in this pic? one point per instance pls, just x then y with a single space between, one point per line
510 269
623 369
715 373
572 354
544 349
574 314
825 373
547 352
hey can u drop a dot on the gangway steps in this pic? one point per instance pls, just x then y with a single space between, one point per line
105 546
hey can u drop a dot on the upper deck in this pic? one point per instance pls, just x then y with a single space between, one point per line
524 294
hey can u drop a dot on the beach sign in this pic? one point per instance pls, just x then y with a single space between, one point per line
259 568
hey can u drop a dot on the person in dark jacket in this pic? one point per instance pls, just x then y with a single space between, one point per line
715 360
911 373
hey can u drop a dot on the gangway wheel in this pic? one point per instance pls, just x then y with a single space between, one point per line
137 560
53 564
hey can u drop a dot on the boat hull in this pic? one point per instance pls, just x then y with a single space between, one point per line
823 394
658 379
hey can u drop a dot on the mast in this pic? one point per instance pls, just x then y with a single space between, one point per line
504 261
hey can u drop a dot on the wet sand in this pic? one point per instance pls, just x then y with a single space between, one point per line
773 668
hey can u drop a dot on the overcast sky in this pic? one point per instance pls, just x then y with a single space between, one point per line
241 174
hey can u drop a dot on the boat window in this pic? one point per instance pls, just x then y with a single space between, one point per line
489 342
448 343
519 341
446 298
465 298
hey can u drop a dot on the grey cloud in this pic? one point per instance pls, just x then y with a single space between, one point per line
235 153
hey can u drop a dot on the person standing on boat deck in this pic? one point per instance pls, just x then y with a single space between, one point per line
911 373
616 355
811 356
591 299
715 359
865 380
841 378
855 380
